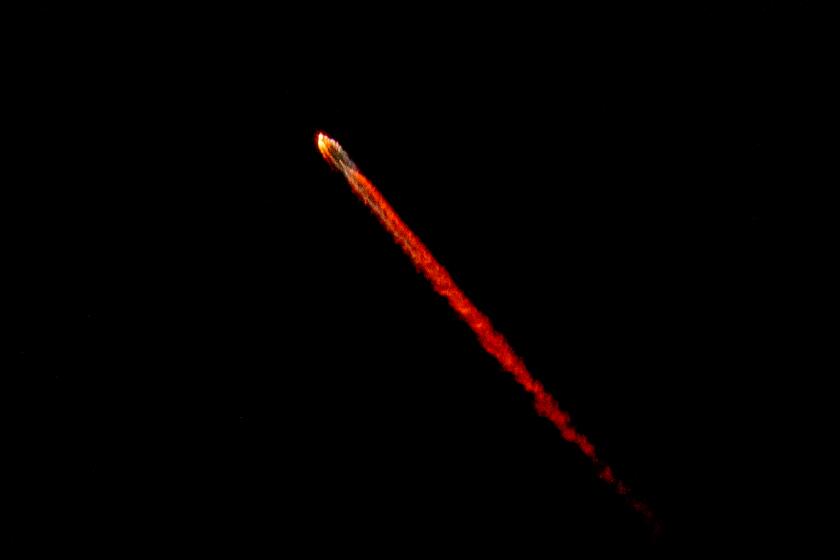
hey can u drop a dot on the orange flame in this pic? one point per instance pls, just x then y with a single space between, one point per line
492 341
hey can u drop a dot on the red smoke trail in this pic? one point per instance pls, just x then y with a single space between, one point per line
493 342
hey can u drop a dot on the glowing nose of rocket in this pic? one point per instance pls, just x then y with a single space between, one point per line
322 142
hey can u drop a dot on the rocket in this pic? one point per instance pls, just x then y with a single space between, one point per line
334 154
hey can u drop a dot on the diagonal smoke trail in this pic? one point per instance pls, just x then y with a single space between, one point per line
492 342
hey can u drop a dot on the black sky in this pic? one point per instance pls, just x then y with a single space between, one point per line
222 344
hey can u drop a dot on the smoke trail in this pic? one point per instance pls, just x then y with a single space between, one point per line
491 340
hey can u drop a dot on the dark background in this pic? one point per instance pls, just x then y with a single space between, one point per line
222 345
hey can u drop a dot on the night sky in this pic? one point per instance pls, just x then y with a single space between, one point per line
223 347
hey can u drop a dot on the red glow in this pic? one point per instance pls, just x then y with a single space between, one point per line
491 340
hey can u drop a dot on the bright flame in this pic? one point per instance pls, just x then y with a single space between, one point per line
322 143
492 341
